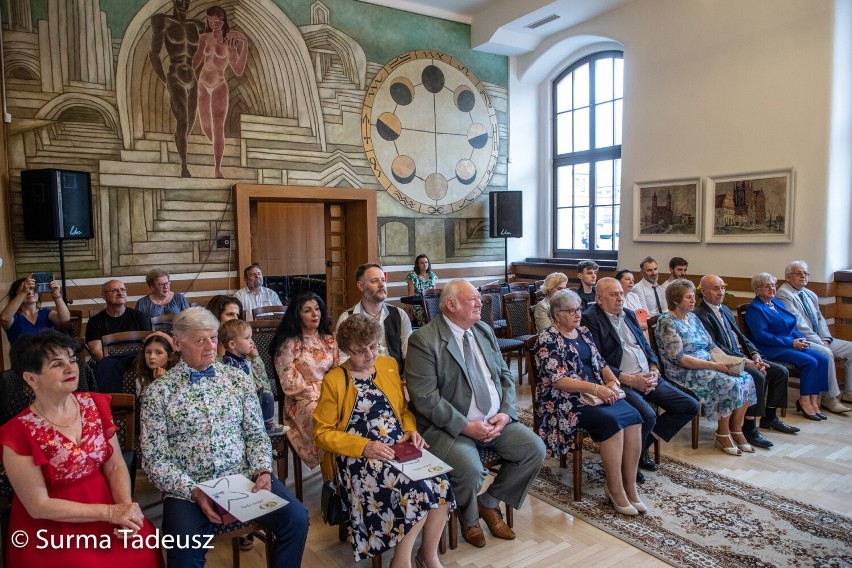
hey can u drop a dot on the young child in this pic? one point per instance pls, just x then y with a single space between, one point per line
156 357
235 337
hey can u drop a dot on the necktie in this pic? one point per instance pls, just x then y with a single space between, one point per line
657 299
730 339
196 376
807 304
481 395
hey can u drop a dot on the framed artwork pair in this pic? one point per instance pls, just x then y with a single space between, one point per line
739 208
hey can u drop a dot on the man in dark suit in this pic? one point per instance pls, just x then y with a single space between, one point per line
621 342
464 399
770 379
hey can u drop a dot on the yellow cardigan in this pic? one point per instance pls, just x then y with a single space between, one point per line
335 405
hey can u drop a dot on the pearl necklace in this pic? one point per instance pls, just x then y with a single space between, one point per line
51 422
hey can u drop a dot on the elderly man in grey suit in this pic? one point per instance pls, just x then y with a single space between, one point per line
464 399
804 305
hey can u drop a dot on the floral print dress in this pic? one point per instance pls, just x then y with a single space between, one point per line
383 503
420 286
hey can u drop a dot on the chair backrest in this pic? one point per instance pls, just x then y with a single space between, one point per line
16 394
652 336
74 326
486 311
123 342
431 303
520 287
163 323
268 312
741 320
123 408
495 291
263 332
517 308
532 371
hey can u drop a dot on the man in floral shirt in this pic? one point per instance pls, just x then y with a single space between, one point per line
200 421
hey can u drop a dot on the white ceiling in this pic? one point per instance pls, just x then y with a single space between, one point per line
500 26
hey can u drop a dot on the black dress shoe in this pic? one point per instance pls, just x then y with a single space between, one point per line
647 463
778 425
821 416
639 477
755 438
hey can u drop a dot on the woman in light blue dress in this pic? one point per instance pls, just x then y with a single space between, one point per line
685 350
161 300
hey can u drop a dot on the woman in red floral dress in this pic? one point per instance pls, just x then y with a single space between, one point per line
72 502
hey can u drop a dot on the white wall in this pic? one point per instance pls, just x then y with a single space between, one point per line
711 87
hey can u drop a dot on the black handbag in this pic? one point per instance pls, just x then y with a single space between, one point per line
332 504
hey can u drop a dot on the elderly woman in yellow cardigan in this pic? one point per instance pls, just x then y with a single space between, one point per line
361 414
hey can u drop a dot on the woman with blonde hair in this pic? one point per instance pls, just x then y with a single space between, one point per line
554 282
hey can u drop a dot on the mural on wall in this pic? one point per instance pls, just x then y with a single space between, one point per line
199 94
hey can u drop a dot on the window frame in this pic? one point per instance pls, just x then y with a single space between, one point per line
591 156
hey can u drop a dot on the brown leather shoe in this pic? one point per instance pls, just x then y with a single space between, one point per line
494 519
474 535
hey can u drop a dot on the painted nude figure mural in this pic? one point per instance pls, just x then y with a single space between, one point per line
180 36
218 48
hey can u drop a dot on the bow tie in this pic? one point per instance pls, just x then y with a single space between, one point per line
196 376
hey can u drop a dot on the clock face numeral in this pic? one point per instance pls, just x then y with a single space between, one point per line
429 132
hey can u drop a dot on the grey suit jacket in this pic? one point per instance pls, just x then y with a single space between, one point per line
789 296
438 385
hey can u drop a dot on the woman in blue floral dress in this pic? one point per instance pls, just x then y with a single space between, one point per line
419 280
685 351
360 415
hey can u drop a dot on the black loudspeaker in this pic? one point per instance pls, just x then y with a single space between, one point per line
506 214
57 205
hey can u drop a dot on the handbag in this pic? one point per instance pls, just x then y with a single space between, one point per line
593 400
332 504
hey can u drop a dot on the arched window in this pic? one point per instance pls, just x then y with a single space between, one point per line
587 109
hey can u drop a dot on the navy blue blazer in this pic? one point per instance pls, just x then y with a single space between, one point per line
608 341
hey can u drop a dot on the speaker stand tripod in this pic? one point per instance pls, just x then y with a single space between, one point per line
62 273
505 261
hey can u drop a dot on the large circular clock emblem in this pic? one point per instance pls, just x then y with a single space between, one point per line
430 132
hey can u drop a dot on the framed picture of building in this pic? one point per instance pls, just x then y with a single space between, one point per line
668 210
750 208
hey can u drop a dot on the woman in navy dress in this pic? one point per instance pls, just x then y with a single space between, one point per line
773 331
569 366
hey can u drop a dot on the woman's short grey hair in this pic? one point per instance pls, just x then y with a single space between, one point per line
358 330
761 279
154 274
552 281
563 300
676 291
192 319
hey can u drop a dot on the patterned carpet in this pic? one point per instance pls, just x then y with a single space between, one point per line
700 519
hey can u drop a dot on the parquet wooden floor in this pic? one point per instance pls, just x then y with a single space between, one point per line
814 466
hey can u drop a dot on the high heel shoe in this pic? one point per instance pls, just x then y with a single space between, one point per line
639 506
821 416
814 417
629 510
730 450
745 446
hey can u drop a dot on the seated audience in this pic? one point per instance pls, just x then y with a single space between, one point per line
202 421
633 301
161 300
66 467
371 281
773 331
463 396
623 346
770 379
360 415
117 317
587 272
24 315
648 288
225 307
804 305
255 294
304 350
156 357
240 351
419 280
568 366
677 269
687 353
554 282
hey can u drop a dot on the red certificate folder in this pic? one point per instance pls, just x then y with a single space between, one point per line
406 451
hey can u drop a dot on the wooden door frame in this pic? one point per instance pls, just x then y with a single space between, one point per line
359 207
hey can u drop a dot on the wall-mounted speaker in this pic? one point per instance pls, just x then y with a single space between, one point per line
506 214
57 204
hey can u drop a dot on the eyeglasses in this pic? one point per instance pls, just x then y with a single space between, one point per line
769 286
801 273
116 291
572 311
370 349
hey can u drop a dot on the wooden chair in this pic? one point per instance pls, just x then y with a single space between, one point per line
268 313
431 303
74 326
123 342
520 287
163 323
652 339
507 346
495 292
516 306
234 531
123 408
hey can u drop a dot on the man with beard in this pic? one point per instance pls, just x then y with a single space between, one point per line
649 289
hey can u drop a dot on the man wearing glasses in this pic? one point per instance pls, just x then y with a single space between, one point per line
804 305
117 317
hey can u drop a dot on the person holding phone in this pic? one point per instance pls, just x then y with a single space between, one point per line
24 314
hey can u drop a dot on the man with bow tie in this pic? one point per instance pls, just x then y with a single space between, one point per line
200 421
